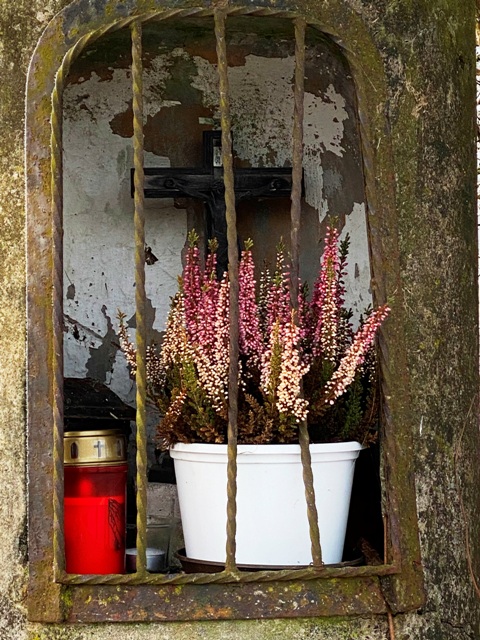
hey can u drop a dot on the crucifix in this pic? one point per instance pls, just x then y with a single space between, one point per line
206 184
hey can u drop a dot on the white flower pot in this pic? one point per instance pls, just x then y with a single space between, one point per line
272 525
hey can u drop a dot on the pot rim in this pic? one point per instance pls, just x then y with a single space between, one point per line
267 453
329 447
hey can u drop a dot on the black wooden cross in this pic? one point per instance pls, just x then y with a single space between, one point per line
206 184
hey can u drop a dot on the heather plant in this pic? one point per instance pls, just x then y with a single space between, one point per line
296 363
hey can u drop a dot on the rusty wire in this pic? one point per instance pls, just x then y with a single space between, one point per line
391 625
140 296
297 157
228 577
231 218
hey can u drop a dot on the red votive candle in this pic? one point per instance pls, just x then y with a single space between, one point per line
94 503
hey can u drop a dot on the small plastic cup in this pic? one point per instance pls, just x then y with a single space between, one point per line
158 547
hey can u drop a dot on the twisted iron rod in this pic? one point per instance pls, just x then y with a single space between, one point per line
230 213
297 135
140 295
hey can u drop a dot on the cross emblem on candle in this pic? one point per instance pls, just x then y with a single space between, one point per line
98 446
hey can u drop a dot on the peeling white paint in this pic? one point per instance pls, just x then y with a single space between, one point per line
313 181
323 131
94 97
261 101
99 233
357 284
261 104
323 122
155 79
97 96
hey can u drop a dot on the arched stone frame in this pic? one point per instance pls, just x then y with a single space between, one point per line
397 583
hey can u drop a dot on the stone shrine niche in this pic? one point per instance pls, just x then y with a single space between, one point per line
81 250
181 102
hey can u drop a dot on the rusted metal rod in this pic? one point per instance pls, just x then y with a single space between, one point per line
139 224
227 161
297 160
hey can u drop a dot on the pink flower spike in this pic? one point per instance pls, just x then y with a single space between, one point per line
192 287
355 355
327 301
250 337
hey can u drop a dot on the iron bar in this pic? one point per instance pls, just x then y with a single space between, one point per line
278 575
231 217
140 296
56 142
297 160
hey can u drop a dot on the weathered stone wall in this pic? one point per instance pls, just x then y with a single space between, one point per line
428 50
432 117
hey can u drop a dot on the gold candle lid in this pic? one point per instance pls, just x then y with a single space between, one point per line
92 448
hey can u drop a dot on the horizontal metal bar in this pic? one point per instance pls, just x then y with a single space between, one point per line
309 573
